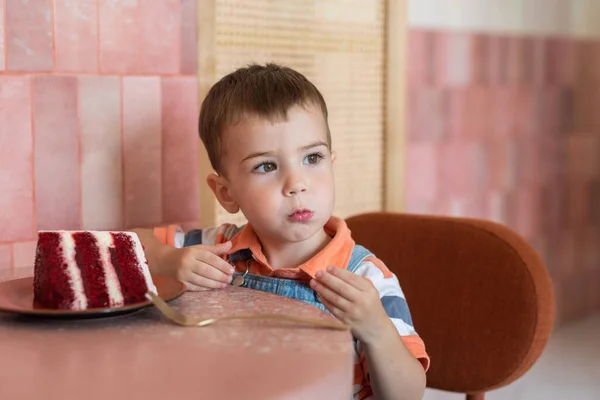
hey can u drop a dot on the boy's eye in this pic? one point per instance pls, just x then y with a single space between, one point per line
265 167
313 158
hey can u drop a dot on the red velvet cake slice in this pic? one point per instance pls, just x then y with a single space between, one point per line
78 270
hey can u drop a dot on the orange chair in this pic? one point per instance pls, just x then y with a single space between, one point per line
479 295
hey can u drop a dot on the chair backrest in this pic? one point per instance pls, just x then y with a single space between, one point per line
479 295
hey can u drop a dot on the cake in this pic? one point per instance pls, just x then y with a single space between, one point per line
78 270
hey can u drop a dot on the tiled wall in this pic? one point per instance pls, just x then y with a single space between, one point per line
98 111
506 127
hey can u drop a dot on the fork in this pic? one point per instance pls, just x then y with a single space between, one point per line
185 320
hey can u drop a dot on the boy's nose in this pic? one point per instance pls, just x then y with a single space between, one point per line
295 184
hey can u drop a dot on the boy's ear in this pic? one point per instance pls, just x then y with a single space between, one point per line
220 188
333 156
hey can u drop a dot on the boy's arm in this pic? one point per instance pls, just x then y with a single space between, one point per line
371 302
154 249
199 266
393 370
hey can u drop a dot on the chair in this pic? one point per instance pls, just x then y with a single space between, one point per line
479 295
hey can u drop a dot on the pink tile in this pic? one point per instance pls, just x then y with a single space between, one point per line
419 56
498 161
160 29
2 61
415 206
189 37
457 173
578 198
57 184
5 257
566 99
24 254
529 161
437 56
539 66
560 61
519 63
442 206
585 115
29 35
76 40
547 113
588 253
497 60
588 61
527 221
427 111
524 107
120 36
553 156
468 112
457 111
552 204
565 254
457 59
502 112
480 54
582 156
180 182
495 206
421 171
101 161
142 151
17 221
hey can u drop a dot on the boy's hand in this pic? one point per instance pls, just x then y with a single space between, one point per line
354 301
200 267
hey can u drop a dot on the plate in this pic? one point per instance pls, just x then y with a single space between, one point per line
16 296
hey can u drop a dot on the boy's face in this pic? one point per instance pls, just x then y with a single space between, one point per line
279 174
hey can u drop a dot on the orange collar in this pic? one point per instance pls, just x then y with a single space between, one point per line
337 253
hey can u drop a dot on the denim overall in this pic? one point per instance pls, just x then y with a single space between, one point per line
297 290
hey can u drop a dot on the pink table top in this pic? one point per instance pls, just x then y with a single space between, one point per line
143 356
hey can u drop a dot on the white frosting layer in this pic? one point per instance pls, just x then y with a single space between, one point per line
72 271
141 257
104 241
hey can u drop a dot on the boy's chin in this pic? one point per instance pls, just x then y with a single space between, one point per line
302 232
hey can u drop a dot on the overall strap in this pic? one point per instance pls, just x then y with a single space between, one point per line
359 254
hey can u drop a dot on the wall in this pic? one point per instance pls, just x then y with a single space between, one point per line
98 108
503 124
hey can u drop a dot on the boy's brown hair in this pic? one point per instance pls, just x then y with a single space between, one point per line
267 91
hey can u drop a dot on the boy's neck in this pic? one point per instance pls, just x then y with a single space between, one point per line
293 254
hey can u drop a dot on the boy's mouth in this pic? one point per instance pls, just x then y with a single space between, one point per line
300 215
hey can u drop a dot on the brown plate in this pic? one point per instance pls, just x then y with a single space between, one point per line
16 296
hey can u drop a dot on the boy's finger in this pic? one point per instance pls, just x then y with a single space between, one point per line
219 249
349 277
208 271
339 314
196 282
216 262
330 296
339 286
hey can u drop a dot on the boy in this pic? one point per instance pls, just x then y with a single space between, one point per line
266 132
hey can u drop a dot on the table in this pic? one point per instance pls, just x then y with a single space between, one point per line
143 356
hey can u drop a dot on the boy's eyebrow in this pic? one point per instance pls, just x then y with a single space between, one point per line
259 154
315 144
269 153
